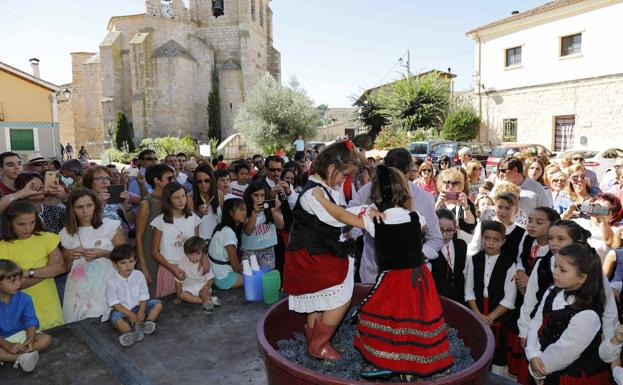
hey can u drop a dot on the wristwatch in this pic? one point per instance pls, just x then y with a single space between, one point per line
31 273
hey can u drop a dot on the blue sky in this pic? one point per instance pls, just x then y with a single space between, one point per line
335 48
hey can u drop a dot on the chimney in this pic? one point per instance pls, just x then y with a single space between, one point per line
34 63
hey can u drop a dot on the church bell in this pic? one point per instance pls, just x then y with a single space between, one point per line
218 8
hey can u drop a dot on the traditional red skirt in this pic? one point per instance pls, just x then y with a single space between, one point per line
517 361
601 378
304 273
401 325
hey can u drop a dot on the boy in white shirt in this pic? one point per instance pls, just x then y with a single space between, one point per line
134 314
197 286
241 183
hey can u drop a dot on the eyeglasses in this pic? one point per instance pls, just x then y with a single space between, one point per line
453 183
40 164
169 178
274 169
427 170
200 181
578 177
579 158
102 178
502 170
448 231
258 162
153 159
558 180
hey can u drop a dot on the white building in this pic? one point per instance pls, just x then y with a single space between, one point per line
552 75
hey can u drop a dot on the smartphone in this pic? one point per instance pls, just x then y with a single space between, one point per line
49 180
452 195
115 191
132 172
269 203
600 210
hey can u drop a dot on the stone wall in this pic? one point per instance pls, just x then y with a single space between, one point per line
596 103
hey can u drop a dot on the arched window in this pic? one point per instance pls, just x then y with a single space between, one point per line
253 10
261 13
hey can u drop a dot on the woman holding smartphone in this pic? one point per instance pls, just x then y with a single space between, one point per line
98 179
453 194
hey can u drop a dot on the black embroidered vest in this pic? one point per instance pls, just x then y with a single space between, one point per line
451 282
496 283
399 246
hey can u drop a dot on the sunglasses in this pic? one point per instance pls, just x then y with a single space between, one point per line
151 159
40 164
558 180
102 178
579 158
448 231
274 169
169 178
427 170
502 170
451 183
578 177
200 181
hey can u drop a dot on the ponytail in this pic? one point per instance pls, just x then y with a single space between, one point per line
591 295
577 233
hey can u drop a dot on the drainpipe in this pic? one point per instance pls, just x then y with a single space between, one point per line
55 119
478 85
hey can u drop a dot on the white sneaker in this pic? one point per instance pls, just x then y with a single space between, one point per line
215 301
127 339
148 327
27 361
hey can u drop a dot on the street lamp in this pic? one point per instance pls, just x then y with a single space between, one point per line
218 8
66 94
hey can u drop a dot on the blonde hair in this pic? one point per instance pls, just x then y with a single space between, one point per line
508 197
470 167
569 188
454 173
566 161
507 187
547 169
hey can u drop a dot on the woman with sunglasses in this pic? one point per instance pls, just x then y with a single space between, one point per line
206 200
473 169
426 178
444 164
577 192
557 183
453 189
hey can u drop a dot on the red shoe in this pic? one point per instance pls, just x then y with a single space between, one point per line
319 346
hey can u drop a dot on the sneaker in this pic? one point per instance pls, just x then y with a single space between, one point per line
208 306
215 301
27 361
148 327
127 339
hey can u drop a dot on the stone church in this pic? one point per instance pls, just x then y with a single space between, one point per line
159 68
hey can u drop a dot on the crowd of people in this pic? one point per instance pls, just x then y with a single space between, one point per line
533 250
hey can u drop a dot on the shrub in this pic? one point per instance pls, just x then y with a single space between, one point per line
389 138
461 124
170 145
363 141
120 156
124 138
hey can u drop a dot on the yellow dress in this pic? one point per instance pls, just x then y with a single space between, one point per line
33 253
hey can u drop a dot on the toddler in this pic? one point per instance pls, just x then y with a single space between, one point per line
19 340
197 287
133 314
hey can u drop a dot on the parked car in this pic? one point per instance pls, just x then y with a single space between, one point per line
424 149
599 161
480 151
511 148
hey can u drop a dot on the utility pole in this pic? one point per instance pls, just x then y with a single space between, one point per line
408 63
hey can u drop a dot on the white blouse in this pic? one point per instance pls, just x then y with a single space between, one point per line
582 329
510 290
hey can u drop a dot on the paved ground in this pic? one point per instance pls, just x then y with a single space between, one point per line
189 347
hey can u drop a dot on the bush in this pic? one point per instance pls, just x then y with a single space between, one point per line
461 124
170 145
120 156
364 141
389 138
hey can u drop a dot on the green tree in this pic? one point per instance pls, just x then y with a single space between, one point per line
370 113
461 124
416 102
123 134
214 113
274 115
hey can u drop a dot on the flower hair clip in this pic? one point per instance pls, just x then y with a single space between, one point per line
349 145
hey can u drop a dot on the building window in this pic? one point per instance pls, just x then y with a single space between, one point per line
571 45
22 140
509 133
253 10
564 132
261 13
513 56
